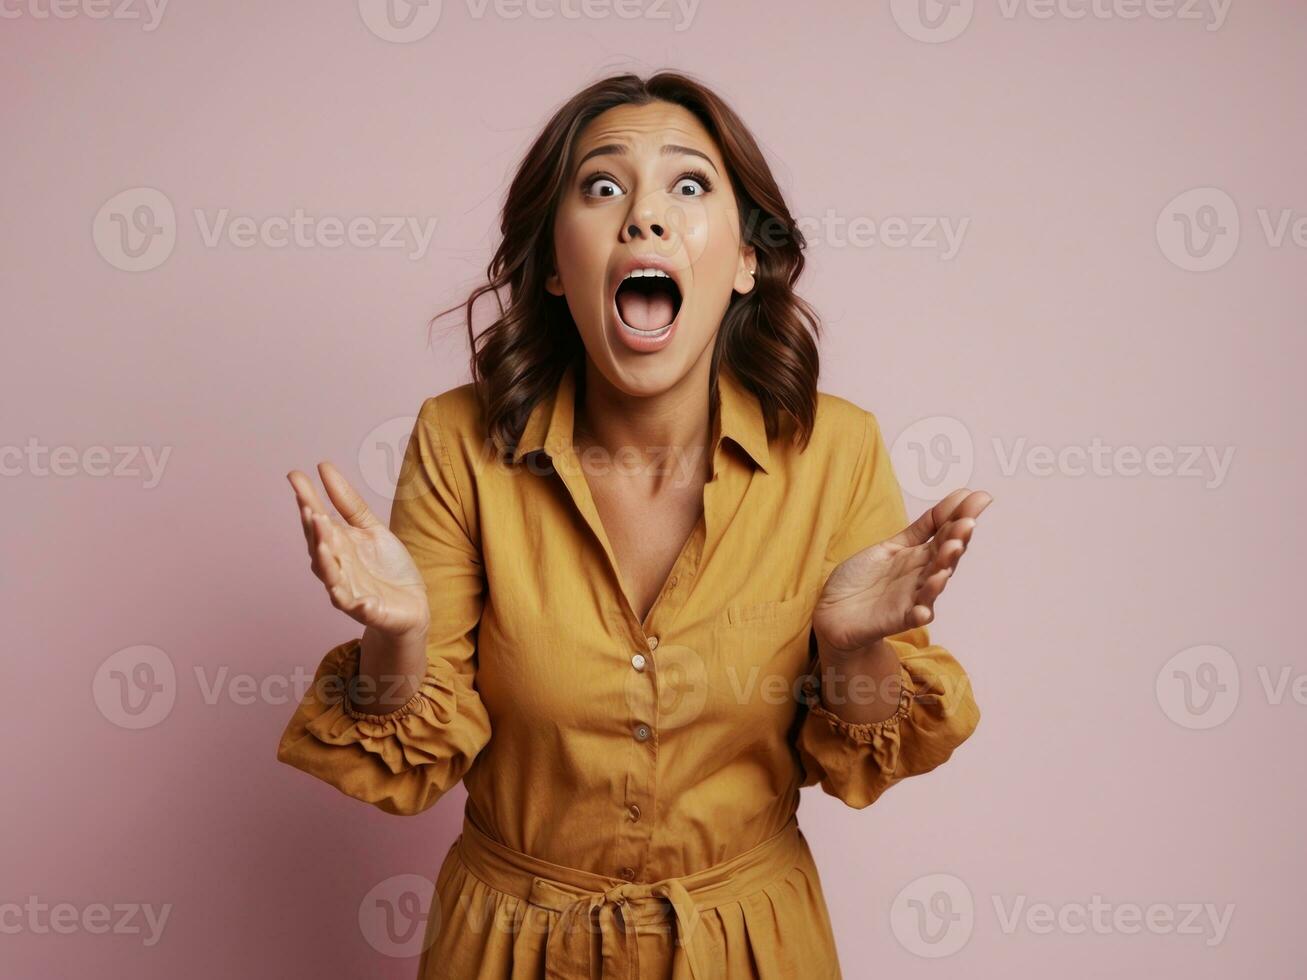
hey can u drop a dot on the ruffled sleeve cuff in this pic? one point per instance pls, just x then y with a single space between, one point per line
856 762
427 730
347 669
421 732
864 732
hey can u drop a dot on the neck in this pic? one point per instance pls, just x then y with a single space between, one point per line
650 439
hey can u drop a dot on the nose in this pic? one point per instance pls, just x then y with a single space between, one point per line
644 223
644 229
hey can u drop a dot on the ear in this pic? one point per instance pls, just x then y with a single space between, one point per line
744 277
554 284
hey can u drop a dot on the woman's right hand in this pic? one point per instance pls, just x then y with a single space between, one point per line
368 572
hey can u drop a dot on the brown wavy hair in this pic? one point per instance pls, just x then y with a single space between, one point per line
767 336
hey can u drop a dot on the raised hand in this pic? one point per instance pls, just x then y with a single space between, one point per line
368 572
892 586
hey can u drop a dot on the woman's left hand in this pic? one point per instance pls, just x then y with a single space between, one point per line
892 586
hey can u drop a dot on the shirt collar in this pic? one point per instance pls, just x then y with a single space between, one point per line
550 424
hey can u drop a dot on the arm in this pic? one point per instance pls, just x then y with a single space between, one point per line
885 703
394 718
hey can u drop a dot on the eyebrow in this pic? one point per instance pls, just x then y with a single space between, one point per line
669 149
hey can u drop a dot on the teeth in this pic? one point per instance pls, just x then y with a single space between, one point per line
640 273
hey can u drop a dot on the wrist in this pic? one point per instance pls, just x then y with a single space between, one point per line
862 685
839 655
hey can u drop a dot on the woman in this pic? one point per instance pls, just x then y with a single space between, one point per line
641 581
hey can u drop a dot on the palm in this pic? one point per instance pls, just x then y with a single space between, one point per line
368 572
375 564
892 586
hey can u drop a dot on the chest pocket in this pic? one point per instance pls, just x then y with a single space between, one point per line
759 655
780 618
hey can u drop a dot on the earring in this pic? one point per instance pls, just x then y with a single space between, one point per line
750 272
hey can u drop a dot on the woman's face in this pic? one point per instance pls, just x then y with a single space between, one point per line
649 191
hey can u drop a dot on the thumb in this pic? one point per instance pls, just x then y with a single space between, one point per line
352 507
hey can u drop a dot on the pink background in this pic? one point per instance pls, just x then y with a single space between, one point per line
1063 317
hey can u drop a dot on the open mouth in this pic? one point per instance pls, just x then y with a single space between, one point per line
648 301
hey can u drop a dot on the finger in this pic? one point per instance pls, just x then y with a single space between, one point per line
341 589
349 600
327 561
308 503
924 527
953 530
352 507
322 556
963 519
948 545
317 525
947 532
347 592
306 525
345 599
946 557
305 492
973 504
931 587
952 544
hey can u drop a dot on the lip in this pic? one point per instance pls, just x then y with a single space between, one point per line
627 266
634 339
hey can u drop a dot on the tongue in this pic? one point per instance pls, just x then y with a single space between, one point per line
651 311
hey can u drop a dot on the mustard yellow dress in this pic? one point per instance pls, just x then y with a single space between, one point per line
632 787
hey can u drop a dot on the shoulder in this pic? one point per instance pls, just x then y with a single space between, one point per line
846 442
450 423
454 418
454 409
841 426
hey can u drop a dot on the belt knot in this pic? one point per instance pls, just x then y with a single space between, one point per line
613 917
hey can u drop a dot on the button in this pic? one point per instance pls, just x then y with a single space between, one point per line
638 661
642 732
671 581
653 643
634 811
627 873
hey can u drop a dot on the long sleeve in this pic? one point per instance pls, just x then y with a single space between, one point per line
937 712
407 759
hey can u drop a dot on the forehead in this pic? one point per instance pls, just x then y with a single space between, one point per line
646 128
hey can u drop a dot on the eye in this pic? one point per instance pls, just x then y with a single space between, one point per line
692 184
600 185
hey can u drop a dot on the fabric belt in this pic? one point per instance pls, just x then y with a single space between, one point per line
596 931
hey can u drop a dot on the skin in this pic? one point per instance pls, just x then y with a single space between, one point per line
638 406
636 201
